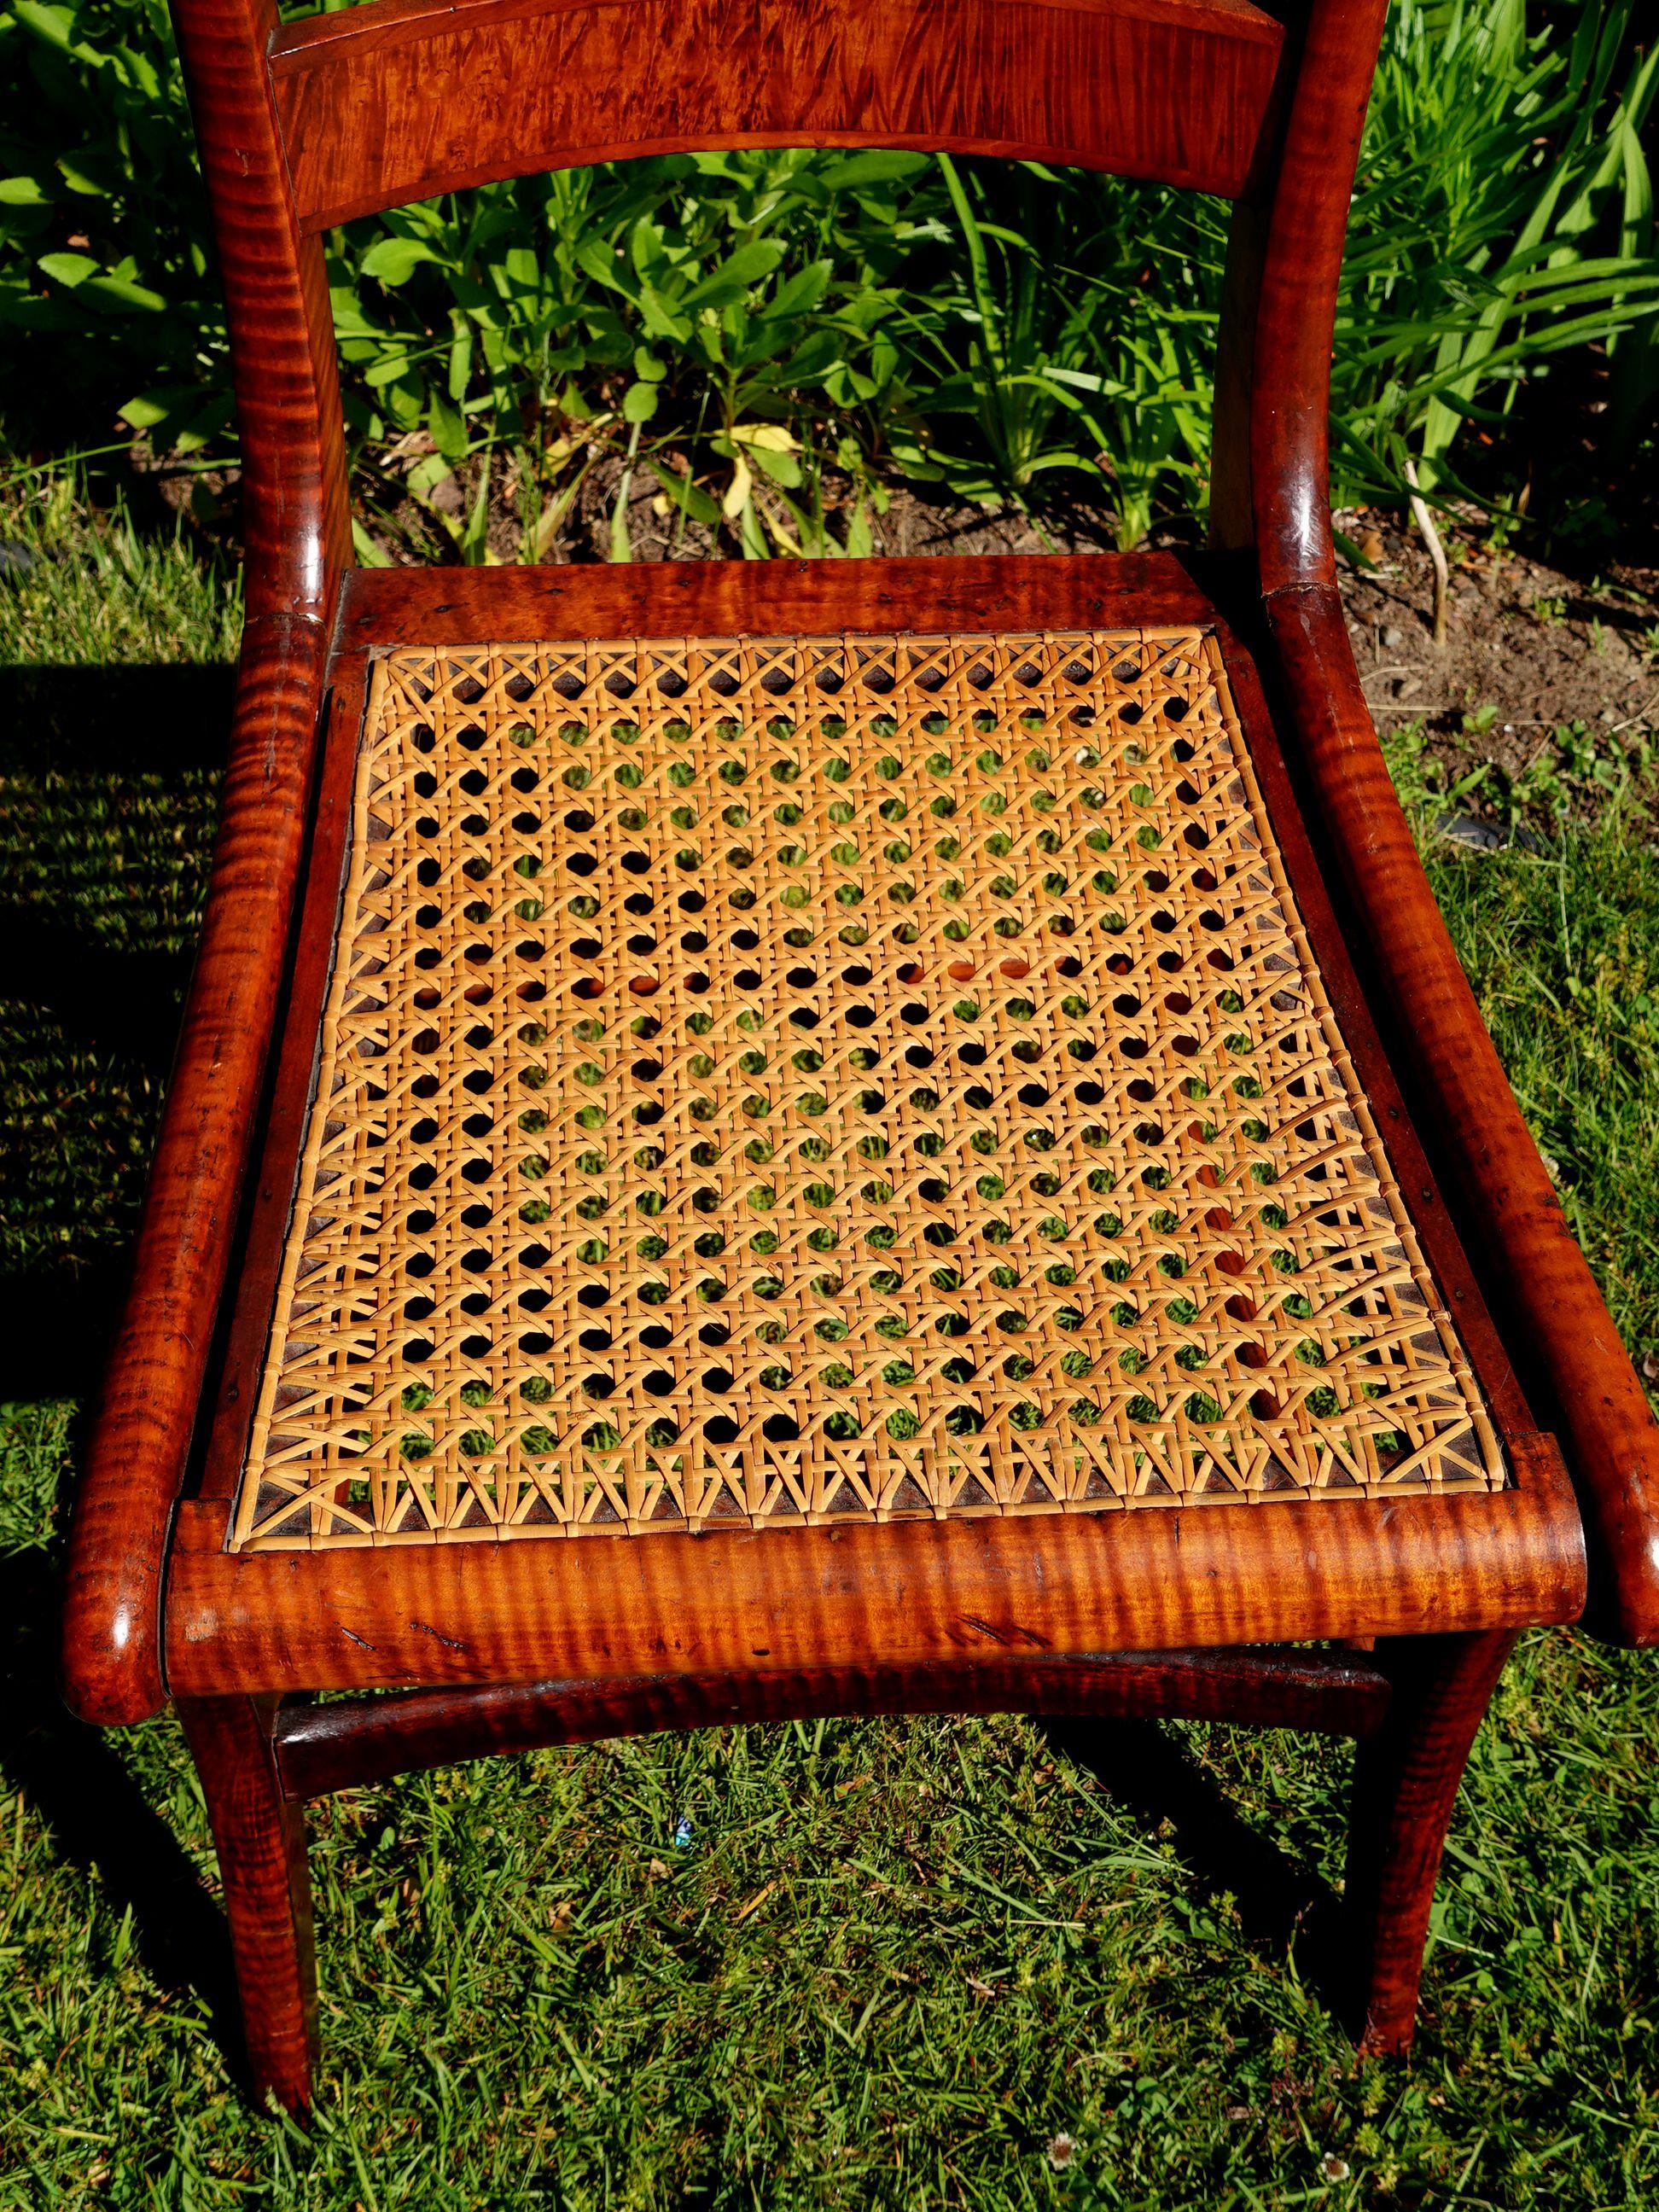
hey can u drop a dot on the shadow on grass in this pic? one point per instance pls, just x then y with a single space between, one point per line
70 986
109 816
1281 1899
56 1327
142 718
99 1819
125 999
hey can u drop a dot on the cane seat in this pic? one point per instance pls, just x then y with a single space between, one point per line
783 1080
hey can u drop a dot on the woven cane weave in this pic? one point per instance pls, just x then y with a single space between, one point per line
779 1081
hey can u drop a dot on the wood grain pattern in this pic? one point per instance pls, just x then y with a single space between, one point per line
1177 89
1273 353
259 1832
1538 1279
380 608
136 1454
271 1195
337 1746
1406 1782
296 530
916 1593
296 515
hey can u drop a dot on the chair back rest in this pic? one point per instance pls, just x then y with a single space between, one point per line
394 101
306 125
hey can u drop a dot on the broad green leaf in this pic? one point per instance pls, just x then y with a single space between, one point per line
800 293
55 24
751 535
689 498
393 261
782 468
735 274
448 426
70 269
121 293
369 554
460 358
659 318
79 175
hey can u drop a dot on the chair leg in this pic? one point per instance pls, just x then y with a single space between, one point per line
259 1835
1406 1780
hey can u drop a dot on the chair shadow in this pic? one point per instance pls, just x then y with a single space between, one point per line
56 1327
1282 1901
161 717
69 986
126 998
99 1820
57 1321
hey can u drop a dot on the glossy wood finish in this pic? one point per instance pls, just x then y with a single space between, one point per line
136 1454
322 1747
380 607
1511 1214
296 515
296 530
1406 1782
1177 89
916 1593
1290 350
259 1832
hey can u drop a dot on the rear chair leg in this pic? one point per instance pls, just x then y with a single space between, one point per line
1406 1781
259 1835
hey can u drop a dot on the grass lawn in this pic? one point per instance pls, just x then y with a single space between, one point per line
907 1964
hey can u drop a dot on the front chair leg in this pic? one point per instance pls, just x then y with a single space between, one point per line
259 1835
1406 1781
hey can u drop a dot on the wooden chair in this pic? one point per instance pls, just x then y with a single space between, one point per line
766 1140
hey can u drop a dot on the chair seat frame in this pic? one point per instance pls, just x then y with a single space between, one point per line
1172 1613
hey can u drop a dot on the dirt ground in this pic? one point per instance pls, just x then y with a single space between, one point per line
1529 650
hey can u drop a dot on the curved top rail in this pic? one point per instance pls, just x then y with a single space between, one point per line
395 100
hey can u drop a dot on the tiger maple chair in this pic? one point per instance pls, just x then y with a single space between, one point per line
767 1140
